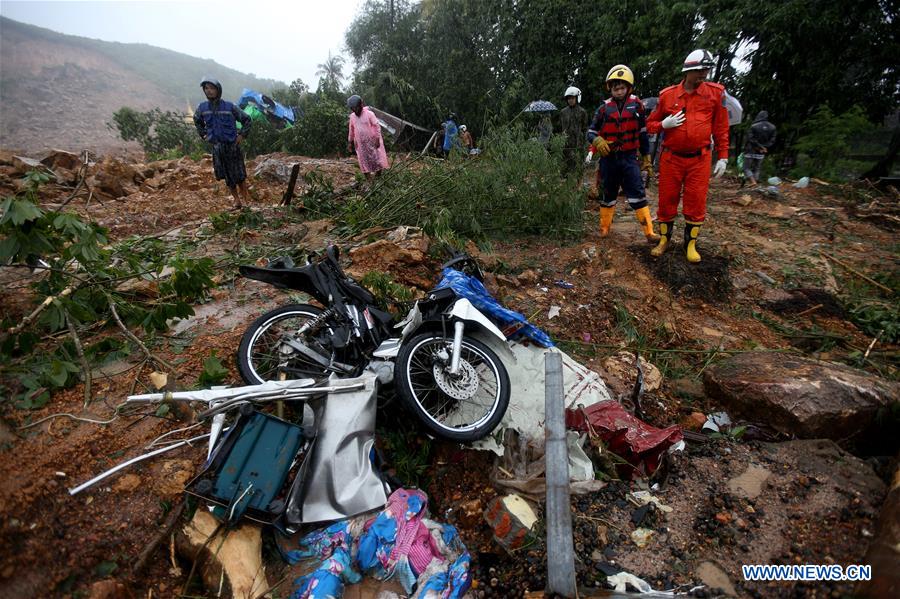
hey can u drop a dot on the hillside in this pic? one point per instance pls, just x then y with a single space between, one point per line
60 90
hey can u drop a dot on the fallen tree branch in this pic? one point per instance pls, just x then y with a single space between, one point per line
131 336
37 311
871 345
168 525
85 366
82 173
808 310
67 415
857 273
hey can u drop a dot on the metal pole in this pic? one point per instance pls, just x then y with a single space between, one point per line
560 549
140 458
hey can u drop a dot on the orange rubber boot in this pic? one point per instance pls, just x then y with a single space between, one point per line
606 218
643 217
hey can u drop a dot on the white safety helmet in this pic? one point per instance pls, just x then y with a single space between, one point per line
698 60
462 127
573 91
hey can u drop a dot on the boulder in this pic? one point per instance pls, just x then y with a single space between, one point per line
274 168
799 396
23 164
56 159
406 265
114 178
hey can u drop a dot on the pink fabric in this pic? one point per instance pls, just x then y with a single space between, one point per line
413 538
365 133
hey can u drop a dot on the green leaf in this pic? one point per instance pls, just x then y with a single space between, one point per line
59 372
162 410
9 247
213 372
106 568
19 211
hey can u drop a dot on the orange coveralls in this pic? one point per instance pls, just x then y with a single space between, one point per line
685 161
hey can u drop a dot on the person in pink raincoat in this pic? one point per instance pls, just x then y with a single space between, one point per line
364 138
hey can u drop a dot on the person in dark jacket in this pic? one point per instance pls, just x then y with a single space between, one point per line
216 121
759 140
573 123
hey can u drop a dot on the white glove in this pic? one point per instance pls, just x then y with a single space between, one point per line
673 120
719 170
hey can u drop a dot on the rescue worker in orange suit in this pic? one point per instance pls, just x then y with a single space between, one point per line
617 132
691 113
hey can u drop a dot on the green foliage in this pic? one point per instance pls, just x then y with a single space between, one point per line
824 148
264 138
512 188
332 73
408 453
160 133
484 58
84 276
106 568
872 309
214 372
389 295
321 132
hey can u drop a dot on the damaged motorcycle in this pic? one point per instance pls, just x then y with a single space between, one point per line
455 384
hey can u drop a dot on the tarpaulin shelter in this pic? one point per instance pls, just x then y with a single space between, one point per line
404 134
258 106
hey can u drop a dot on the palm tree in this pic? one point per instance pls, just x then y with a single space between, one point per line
331 71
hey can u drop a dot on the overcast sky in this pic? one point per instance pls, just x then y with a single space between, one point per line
276 39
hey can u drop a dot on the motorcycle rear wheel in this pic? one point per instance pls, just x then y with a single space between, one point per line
259 356
464 407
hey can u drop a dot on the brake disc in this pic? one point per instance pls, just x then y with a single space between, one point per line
462 385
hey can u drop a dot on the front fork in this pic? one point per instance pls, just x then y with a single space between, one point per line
457 346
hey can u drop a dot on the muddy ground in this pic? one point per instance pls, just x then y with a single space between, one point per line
766 282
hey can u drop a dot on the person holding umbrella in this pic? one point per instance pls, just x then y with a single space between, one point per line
691 113
617 132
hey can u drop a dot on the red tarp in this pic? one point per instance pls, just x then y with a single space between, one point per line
639 443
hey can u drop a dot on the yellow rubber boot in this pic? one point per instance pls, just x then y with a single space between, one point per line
665 234
691 231
643 216
606 218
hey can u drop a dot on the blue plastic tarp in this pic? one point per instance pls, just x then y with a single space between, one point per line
266 104
509 321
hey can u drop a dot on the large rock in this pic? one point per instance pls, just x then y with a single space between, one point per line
799 396
406 262
55 159
114 178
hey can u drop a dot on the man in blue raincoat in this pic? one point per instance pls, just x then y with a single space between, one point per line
216 122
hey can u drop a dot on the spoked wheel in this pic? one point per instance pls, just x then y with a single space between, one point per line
465 406
263 355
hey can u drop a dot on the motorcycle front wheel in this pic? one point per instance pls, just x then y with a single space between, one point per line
263 356
463 407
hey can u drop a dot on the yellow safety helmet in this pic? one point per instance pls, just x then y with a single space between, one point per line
619 73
